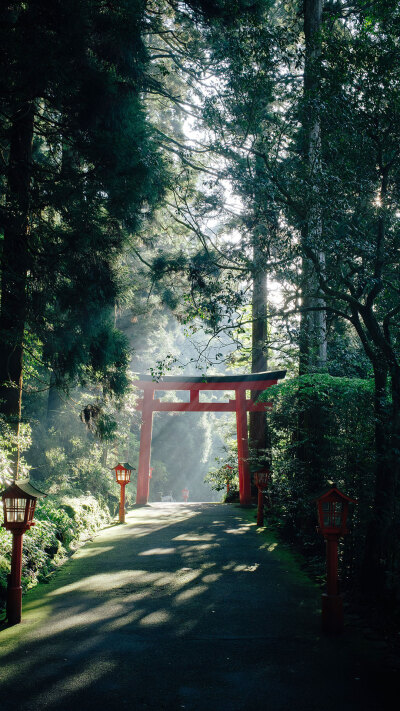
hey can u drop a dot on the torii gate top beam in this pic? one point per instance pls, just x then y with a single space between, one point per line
253 381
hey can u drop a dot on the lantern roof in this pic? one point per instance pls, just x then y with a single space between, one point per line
24 486
334 491
259 469
124 465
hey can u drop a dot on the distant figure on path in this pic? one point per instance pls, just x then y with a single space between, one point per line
185 494
169 497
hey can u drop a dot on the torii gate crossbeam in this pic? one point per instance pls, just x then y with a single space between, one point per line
241 405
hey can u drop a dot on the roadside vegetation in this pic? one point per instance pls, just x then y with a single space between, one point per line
63 523
202 187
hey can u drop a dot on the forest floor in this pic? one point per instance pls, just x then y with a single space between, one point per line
185 607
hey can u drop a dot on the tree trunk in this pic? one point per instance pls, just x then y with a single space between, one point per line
54 402
395 449
312 340
258 423
104 456
379 530
14 267
313 323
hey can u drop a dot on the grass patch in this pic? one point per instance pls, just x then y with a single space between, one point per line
270 541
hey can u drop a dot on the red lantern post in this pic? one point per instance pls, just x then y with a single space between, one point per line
19 501
185 494
333 509
261 480
123 476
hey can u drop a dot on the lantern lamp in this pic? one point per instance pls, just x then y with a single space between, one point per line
261 479
123 476
123 473
333 510
19 501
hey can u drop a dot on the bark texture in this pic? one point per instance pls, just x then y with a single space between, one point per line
259 361
313 322
15 265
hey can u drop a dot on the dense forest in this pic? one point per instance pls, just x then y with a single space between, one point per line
203 187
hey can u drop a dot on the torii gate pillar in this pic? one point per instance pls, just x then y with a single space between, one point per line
241 406
143 481
243 448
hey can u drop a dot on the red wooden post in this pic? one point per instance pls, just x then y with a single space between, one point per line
332 564
122 503
14 588
332 603
243 447
333 507
194 399
142 492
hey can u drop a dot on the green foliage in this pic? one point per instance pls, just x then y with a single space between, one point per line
8 447
73 463
5 558
50 510
222 476
94 176
61 524
86 513
342 443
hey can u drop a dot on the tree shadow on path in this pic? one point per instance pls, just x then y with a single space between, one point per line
181 608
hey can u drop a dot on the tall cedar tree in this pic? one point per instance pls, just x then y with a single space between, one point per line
79 169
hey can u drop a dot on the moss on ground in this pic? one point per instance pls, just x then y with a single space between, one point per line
270 541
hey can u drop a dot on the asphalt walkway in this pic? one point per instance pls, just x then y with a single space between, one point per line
185 607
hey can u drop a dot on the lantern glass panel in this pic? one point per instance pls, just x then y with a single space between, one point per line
31 509
332 512
16 509
326 508
123 475
337 514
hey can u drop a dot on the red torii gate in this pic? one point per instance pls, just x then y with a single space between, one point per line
241 405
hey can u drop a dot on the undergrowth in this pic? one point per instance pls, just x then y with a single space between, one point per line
62 523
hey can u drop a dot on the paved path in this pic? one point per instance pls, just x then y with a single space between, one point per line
186 607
